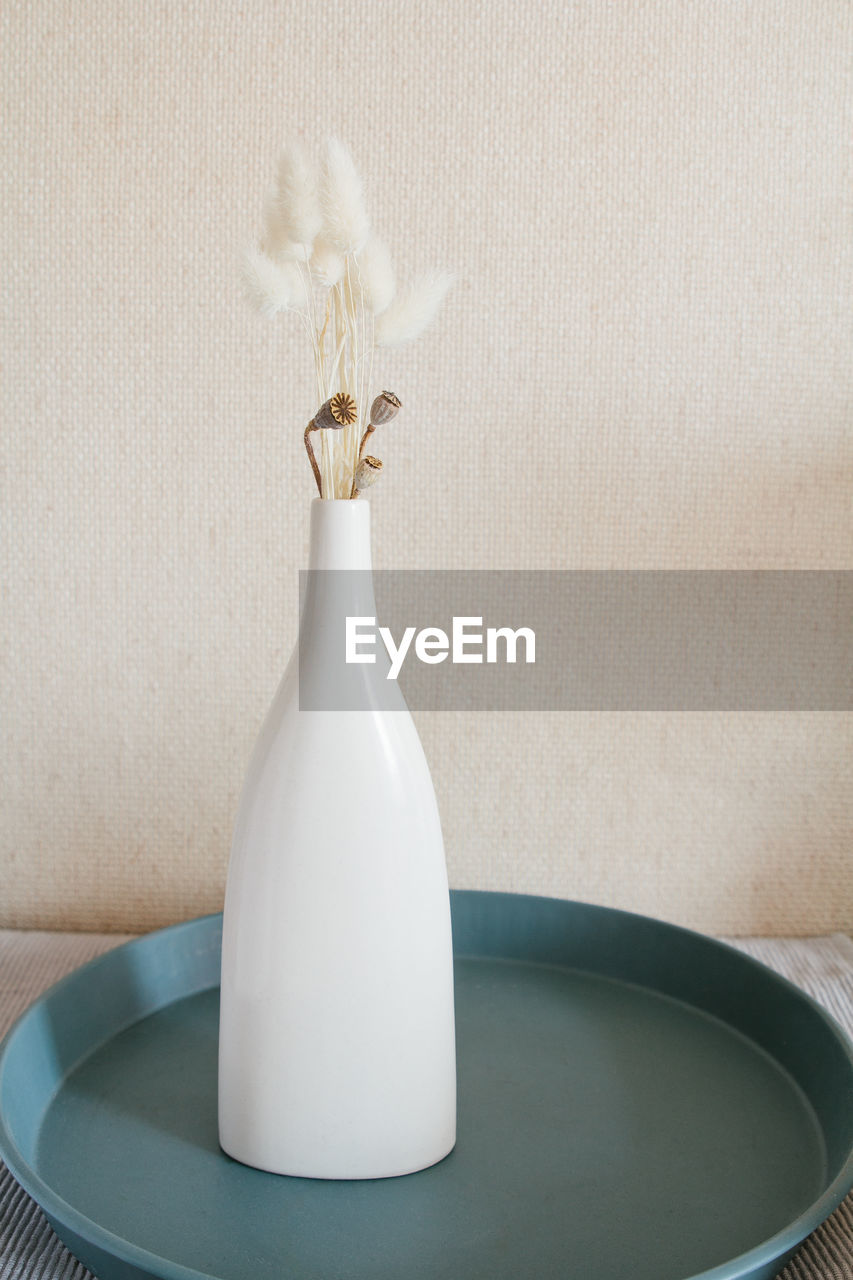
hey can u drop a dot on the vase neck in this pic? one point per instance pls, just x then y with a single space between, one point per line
339 586
340 534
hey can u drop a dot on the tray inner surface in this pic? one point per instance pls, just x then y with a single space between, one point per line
603 1130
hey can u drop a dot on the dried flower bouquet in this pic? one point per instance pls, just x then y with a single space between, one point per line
319 258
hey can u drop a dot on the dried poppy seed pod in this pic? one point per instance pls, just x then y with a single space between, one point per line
338 412
366 474
385 407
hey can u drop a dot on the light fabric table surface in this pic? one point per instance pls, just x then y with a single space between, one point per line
32 961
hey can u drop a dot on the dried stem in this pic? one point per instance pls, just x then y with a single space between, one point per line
328 466
353 328
364 439
311 308
311 458
321 340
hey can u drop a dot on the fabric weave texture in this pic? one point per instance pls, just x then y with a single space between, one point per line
646 362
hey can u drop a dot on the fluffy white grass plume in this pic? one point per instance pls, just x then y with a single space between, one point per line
327 264
411 311
345 221
293 216
318 257
272 286
376 275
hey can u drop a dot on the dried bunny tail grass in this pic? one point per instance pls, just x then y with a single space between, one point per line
275 242
272 286
297 198
345 221
327 265
376 274
411 311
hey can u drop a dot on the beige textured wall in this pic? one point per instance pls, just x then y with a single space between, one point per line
647 362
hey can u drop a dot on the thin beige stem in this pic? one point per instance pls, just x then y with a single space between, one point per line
337 360
354 388
311 306
321 343
363 318
367 393
333 447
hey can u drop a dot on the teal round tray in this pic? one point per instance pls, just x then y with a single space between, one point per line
635 1100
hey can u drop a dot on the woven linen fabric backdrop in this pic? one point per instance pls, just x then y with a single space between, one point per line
646 362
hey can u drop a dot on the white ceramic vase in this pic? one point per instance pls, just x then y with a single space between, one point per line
336 1042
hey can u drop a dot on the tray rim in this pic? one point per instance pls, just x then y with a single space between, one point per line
775 1249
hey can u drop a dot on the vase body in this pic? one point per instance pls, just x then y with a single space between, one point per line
336 1043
